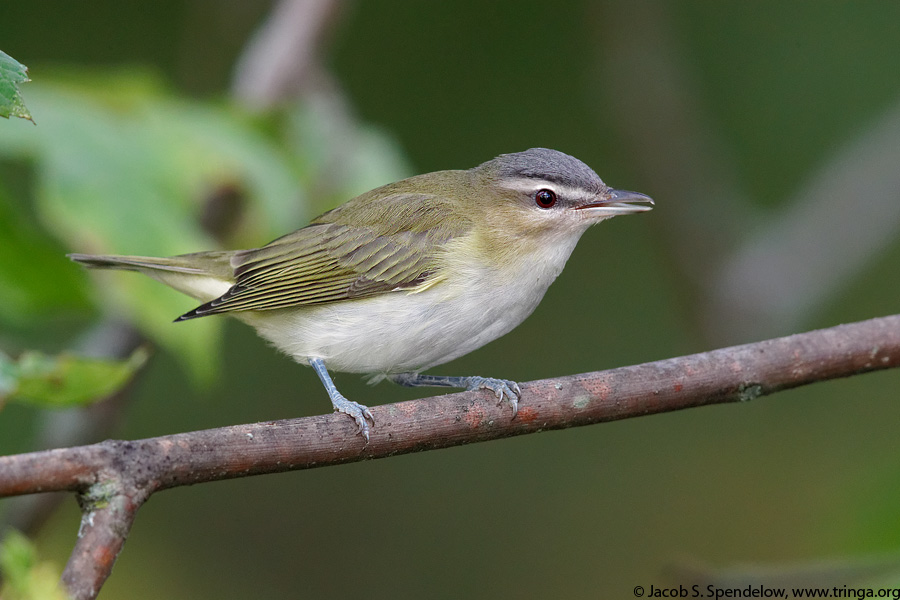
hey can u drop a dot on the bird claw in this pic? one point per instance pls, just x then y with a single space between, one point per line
501 388
358 412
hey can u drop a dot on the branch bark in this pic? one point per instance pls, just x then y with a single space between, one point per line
113 478
108 511
81 425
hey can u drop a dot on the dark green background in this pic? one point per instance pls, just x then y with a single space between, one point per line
584 513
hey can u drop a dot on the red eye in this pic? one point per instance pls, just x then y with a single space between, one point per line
545 198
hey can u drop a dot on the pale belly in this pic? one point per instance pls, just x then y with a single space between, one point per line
397 332
401 331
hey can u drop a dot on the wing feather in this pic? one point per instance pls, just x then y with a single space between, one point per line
331 260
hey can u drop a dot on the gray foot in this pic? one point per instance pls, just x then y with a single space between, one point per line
501 388
359 412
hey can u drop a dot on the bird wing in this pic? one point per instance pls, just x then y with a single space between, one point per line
331 260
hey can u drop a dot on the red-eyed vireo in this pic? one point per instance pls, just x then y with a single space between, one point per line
407 276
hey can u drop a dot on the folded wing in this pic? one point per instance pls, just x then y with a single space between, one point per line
331 260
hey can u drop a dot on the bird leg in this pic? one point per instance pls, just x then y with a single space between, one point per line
501 387
357 411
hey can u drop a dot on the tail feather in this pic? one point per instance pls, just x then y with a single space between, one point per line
135 263
204 275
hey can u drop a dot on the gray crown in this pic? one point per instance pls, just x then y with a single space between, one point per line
549 165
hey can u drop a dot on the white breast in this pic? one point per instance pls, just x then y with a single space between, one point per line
410 332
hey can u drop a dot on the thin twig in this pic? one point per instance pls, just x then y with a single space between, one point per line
667 135
283 55
755 273
846 213
114 477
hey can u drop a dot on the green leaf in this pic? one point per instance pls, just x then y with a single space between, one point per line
12 73
25 578
37 282
124 168
64 380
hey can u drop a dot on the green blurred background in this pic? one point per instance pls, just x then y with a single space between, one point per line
738 118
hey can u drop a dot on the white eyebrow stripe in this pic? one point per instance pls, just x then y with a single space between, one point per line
531 186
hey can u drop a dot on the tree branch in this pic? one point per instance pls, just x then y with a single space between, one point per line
81 425
108 511
114 477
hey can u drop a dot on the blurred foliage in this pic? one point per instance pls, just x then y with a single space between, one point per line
36 280
24 576
583 513
65 380
100 195
866 573
12 73
124 166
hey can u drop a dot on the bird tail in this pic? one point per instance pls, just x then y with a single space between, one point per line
176 264
203 275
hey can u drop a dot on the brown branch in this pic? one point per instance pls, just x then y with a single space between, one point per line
108 511
114 477
81 425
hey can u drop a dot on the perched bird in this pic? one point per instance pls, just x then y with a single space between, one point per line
407 276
